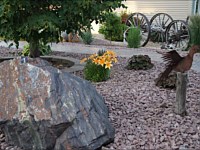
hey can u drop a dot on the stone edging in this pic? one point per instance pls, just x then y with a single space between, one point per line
76 67
76 63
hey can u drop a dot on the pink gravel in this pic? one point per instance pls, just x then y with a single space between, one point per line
143 114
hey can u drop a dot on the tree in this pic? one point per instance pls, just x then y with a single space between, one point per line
35 20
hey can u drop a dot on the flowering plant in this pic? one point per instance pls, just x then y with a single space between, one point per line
105 60
98 65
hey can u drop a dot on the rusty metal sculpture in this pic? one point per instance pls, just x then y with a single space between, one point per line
178 63
181 65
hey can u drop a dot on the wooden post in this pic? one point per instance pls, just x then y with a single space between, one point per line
181 87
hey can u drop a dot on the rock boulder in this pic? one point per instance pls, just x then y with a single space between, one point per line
139 62
43 108
168 83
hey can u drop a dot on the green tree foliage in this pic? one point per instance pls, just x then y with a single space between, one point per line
87 37
35 20
112 28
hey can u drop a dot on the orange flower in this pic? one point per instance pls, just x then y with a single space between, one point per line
105 61
107 58
111 53
108 65
83 60
92 56
95 60
101 61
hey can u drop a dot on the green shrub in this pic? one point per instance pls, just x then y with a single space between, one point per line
194 25
112 28
87 37
44 49
95 73
26 50
134 37
98 65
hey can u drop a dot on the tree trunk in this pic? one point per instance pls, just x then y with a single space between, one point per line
34 44
34 48
181 87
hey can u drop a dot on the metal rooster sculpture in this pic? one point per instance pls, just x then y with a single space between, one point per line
177 63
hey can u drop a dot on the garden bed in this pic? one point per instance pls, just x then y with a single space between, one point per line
142 113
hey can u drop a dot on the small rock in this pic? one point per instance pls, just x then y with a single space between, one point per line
142 143
196 136
183 147
162 138
130 137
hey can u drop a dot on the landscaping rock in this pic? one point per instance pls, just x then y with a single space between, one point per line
139 62
169 82
43 108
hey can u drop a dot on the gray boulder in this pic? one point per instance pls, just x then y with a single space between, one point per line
43 108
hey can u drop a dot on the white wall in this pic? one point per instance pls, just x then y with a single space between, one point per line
178 9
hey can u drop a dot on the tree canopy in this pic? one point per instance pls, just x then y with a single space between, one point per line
34 20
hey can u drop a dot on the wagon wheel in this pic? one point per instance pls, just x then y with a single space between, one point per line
139 20
159 23
178 35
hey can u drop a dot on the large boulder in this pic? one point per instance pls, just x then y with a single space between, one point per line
43 108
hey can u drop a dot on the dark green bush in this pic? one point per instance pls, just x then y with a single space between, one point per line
168 83
134 37
194 25
87 37
95 73
44 49
139 62
112 28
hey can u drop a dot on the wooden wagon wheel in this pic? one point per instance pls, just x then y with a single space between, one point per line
178 35
159 23
139 20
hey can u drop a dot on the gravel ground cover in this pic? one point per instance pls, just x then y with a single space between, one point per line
142 113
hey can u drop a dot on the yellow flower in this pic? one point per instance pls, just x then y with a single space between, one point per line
95 60
101 61
107 58
92 56
111 53
115 60
108 65
83 60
